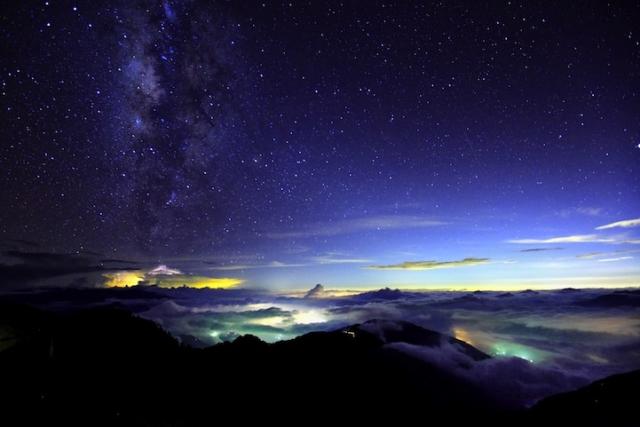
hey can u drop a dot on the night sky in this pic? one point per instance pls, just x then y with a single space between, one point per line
355 144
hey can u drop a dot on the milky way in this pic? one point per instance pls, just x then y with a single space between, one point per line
301 142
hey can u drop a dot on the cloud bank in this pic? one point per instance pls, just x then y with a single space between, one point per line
542 341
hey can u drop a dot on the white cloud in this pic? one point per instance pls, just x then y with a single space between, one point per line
272 264
620 258
337 258
621 224
577 238
163 270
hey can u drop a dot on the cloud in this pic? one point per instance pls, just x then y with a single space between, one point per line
628 223
329 258
540 249
122 279
336 258
430 265
20 243
620 258
197 282
163 270
511 380
614 254
585 210
564 334
164 277
117 261
577 238
346 226
591 255
272 264
19 267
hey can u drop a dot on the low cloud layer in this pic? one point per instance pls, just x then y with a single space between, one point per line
520 382
542 342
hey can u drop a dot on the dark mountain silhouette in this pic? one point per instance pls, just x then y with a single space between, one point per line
86 296
569 291
394 331
626 298
385 294
315 292
108 367
466 301
505 295
610 401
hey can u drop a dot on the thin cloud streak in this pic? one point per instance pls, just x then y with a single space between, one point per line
621 258
539 249
328 259
430 265
627 223
578 238
273 264
346 226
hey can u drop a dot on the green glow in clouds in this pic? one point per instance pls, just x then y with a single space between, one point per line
510 349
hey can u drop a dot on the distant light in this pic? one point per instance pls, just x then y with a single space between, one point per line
305 317
123 279
506 349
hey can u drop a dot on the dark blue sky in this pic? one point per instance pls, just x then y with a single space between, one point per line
288 143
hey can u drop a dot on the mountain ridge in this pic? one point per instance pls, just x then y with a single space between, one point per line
110 366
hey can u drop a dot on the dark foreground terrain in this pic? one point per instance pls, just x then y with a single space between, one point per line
108 367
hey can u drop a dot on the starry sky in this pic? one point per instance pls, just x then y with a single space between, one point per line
356 144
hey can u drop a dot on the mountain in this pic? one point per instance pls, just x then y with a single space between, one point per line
386 294
315 292
465 301
388 331
505 295
610 401
108 367
625 298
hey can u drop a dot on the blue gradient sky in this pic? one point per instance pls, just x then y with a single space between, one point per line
314 139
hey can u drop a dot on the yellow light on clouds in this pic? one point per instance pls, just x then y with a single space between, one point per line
462 335
123 279
306 317
198 282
